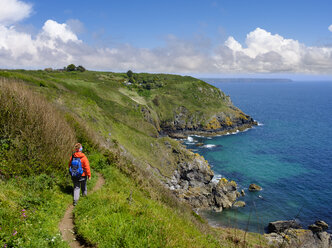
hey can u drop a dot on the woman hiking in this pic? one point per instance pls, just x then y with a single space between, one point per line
79 169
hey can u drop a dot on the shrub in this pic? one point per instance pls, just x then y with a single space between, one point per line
71 67
80 68
34 137
130 73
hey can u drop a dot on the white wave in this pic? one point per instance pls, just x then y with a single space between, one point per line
260 124
190 143
209 146
216 178
190 139
237 131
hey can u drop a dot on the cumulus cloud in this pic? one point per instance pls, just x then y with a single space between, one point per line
76 26
330 27
265 52
57 45
51 46
12 11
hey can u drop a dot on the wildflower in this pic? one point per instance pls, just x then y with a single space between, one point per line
5 246
23 210
14 233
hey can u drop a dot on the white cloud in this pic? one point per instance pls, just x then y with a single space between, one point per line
50 47
76 26
12 11
56 45
54 30
265 52
330 27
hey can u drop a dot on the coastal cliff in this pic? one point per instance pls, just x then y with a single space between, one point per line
192 181
141 112
125 126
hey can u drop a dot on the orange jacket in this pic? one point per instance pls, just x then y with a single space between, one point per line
84 161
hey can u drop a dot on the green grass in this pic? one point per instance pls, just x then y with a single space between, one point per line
43 201
121 215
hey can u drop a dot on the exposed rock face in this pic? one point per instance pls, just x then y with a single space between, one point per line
322 224
303 238
282 225
192 182
254 187
186 122
239 204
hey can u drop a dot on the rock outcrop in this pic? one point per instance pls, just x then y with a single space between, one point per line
282 225
254 187
188 123
239 204
294 237
193 182
318 226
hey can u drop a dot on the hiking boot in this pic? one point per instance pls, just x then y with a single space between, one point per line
75 203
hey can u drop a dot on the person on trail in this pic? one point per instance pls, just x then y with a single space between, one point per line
80 181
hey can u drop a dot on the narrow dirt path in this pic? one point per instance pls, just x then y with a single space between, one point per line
66 225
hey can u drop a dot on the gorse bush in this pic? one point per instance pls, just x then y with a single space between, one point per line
34 137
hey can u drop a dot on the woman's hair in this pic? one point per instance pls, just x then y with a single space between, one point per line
77 147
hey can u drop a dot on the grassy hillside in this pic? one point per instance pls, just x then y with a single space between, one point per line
44 113
132 113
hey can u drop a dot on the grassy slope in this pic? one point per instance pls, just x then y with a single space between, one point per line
113 110
107 105
43 203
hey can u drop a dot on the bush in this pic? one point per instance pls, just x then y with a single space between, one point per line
34 137
80 68
71 67
130 74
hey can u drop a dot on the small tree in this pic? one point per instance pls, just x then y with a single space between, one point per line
80 68
71 67
130 74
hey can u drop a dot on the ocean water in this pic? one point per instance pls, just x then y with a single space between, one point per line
289 154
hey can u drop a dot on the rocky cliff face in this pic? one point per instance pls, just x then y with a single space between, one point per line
185 122
290 234
193 182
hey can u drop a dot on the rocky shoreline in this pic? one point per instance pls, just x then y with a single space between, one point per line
216 126
193 180
290 234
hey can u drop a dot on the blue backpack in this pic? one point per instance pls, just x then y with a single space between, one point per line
75 169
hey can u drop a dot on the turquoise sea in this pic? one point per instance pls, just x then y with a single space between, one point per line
289 154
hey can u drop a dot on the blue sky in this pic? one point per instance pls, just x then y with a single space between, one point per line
242 37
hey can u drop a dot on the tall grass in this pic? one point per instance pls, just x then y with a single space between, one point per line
34 136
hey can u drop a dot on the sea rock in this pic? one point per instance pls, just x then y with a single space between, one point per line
282 225
239 204
318 226
299 238
199 144
192 182
242 193
322 224
315 229
254 187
